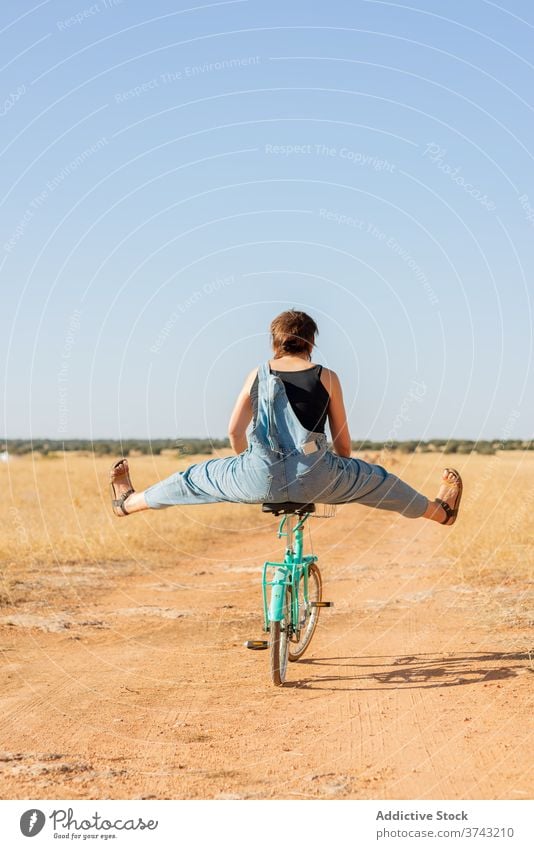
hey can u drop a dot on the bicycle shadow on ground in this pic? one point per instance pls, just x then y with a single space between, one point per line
422 671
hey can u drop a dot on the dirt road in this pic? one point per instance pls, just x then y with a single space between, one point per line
130 680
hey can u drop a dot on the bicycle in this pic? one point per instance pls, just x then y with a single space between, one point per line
290 615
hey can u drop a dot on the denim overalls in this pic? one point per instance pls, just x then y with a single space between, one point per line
285 462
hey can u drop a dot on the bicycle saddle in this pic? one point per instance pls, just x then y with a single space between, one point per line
285 507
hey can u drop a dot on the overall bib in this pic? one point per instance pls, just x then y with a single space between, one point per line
286 462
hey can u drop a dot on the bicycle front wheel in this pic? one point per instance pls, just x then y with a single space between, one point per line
279 644
308 615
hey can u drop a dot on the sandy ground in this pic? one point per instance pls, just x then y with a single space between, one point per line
130 680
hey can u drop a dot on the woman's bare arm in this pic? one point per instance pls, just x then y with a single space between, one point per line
241 416
337 417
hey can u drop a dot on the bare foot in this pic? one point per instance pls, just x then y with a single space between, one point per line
121 487
444 508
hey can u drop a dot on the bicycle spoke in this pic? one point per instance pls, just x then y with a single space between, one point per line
308 614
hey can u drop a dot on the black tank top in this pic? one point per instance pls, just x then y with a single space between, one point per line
308 398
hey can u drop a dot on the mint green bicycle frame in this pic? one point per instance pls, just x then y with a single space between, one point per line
287 574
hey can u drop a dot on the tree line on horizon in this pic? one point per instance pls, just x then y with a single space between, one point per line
184 447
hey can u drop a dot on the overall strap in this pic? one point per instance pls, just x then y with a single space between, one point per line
264 371
266 392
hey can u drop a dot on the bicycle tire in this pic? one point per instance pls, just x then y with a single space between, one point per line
297 648
279 645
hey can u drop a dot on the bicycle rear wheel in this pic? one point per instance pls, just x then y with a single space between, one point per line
308 615
279 643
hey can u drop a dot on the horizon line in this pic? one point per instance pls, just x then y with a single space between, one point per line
5 440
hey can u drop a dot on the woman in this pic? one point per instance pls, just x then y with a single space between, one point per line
286 458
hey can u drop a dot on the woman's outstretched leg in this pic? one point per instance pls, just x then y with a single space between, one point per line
373 486
242 478
392 493
176 489
395 494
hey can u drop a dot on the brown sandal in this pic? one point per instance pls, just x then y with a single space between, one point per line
118 503
452 512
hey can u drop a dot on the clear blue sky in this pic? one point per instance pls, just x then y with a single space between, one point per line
174 176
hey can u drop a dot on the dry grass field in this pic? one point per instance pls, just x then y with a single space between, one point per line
124 676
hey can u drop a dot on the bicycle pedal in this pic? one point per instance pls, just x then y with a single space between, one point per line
257 645
322 604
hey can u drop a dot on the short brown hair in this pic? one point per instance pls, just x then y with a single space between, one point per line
293 332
